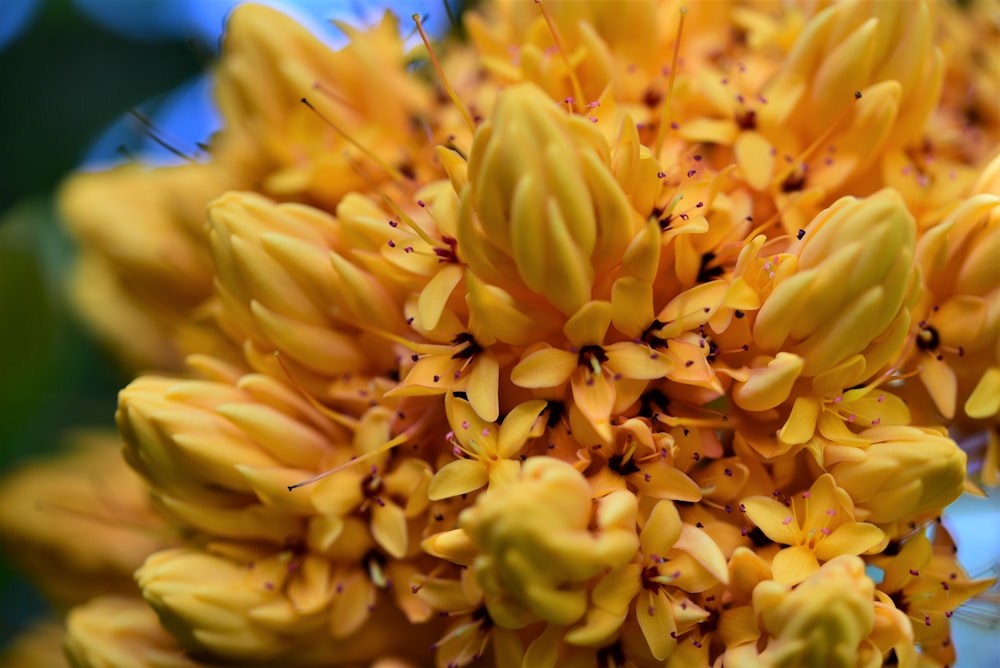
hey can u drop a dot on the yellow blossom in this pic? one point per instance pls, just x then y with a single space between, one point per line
595 340
142 229
488 450
249 604
905 472
957 337
109 632
927 584
532 547
676 559
824 621
271 63
817 526
82 522
587 220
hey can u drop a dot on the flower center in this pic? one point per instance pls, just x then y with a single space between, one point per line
650 338
928 338
592 357
470 348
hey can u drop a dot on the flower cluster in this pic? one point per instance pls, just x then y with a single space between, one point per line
620 334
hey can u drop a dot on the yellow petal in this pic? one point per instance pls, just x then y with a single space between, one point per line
544 650
769 386
496 311
794 564
458 477
984 401
517 426
389 528
850 538
755 157
637 361
632 306
939 379
548 367
801 423
772 517
434 297
589 324
594 395
663 528
656 619
483 388
697 543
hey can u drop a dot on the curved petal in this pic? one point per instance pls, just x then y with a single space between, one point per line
594 394
517 426
851 538
548 367
389 529
589 324
941 384
697 543
663 528
772 517
657 623
801 424
633 360
458 477
985 398
794 564
483 389
434 297
467 424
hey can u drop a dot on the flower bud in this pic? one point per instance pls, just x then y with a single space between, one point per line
542 211
80 524
906 471
855 271
270 62
204 446
113 632
538 540
822 622
853 45
142 233
282 287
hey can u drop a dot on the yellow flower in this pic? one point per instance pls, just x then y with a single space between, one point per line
283 286
548 222
491 355
904 472
247 603
857 46
142 233
824 621
957 336
640 460
204 446
838 320
675 559
602 376
535 543
854 272
927 584
817 526
271 62
487 450
110 632
80 523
